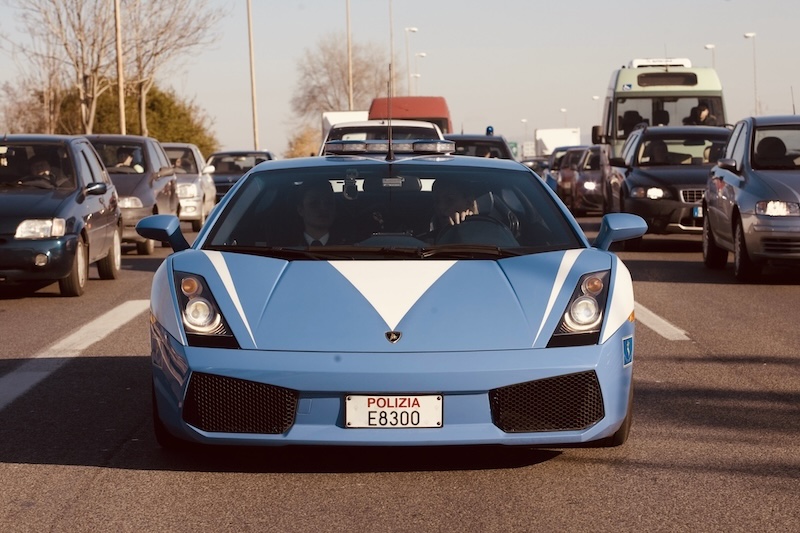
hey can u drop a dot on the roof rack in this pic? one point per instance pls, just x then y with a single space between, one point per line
376 147
660 62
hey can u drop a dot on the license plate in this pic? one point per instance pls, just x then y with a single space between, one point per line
393 412
697 211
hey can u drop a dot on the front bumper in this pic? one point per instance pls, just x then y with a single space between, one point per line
772 238
130 217
666 216
475 387
18 258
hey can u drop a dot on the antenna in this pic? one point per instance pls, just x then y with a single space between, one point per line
791 89
390 151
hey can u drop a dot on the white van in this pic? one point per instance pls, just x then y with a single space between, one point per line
658 91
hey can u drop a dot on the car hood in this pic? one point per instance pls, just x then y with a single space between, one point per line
20 204
352 306
784 183
672 176
127 184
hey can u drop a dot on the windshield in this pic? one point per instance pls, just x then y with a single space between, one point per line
402 210
350 133
698 150
35 166
236 163
121 157
667 111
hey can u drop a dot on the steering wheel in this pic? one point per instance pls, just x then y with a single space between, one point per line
44 182
478 229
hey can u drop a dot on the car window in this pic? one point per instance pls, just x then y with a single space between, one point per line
36 166
406 208
121 157
733 140
740 146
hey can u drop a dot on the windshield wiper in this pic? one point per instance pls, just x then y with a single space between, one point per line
454 251
468 251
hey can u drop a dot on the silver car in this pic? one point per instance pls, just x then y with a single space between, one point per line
196 190
752 198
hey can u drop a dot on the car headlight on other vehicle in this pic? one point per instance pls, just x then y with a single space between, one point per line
41 229
202 320
583 318
774 208
130 201
188 190
653 193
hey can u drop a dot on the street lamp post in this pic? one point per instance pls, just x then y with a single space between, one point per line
525 122
417 76
597 106
408 58
713 59
564 110
751 35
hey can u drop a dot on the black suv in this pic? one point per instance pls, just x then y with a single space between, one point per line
661 176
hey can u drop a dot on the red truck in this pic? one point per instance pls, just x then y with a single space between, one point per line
431 108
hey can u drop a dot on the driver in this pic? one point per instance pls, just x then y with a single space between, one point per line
453 202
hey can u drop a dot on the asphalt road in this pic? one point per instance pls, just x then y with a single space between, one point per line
715 443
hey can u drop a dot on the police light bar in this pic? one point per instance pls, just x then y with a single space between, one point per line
366 147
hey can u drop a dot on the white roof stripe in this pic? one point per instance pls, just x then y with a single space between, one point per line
392 287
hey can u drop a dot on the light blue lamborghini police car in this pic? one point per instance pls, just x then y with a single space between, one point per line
401 296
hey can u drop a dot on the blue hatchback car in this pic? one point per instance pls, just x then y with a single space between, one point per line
59 213
413 297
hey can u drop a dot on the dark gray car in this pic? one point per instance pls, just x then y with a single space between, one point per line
230 166
144 178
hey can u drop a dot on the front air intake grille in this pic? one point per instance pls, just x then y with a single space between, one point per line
692 196
561 403
781 246
228 405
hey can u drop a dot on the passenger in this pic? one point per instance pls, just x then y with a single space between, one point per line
125 159
704 116
483 151
693 118
40 168
317 207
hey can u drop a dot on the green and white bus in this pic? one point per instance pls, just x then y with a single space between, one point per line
658 92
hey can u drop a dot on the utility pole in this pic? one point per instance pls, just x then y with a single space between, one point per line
252 75
120 70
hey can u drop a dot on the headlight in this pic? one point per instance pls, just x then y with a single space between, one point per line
583 318
653 193
777 209
130 201
202 320
188 190
41 229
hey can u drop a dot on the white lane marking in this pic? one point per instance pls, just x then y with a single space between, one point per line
659 325
26 376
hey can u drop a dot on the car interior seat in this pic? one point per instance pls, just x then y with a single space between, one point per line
661 117
771 152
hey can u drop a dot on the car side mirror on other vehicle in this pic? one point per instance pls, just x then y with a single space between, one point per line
208 169
166 171
728 164
96 189
617 162
617 227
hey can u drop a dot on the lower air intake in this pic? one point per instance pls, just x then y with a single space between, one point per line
561 403
228 405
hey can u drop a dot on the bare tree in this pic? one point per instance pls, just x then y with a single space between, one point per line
323 78
79 37
34 102
156 33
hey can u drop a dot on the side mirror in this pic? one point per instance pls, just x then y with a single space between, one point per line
163 228
96 189
598 136
619 227
617 162
166 171
209 169
728 164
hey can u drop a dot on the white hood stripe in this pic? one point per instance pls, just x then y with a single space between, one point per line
570 256
622 303
392 287
218 261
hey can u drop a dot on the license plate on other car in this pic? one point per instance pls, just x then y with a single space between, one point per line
697 211
393 412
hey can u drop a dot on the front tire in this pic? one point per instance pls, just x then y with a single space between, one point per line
75 283
744 268
146 248
714 257
109 266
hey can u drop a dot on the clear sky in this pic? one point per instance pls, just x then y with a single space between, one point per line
496 62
